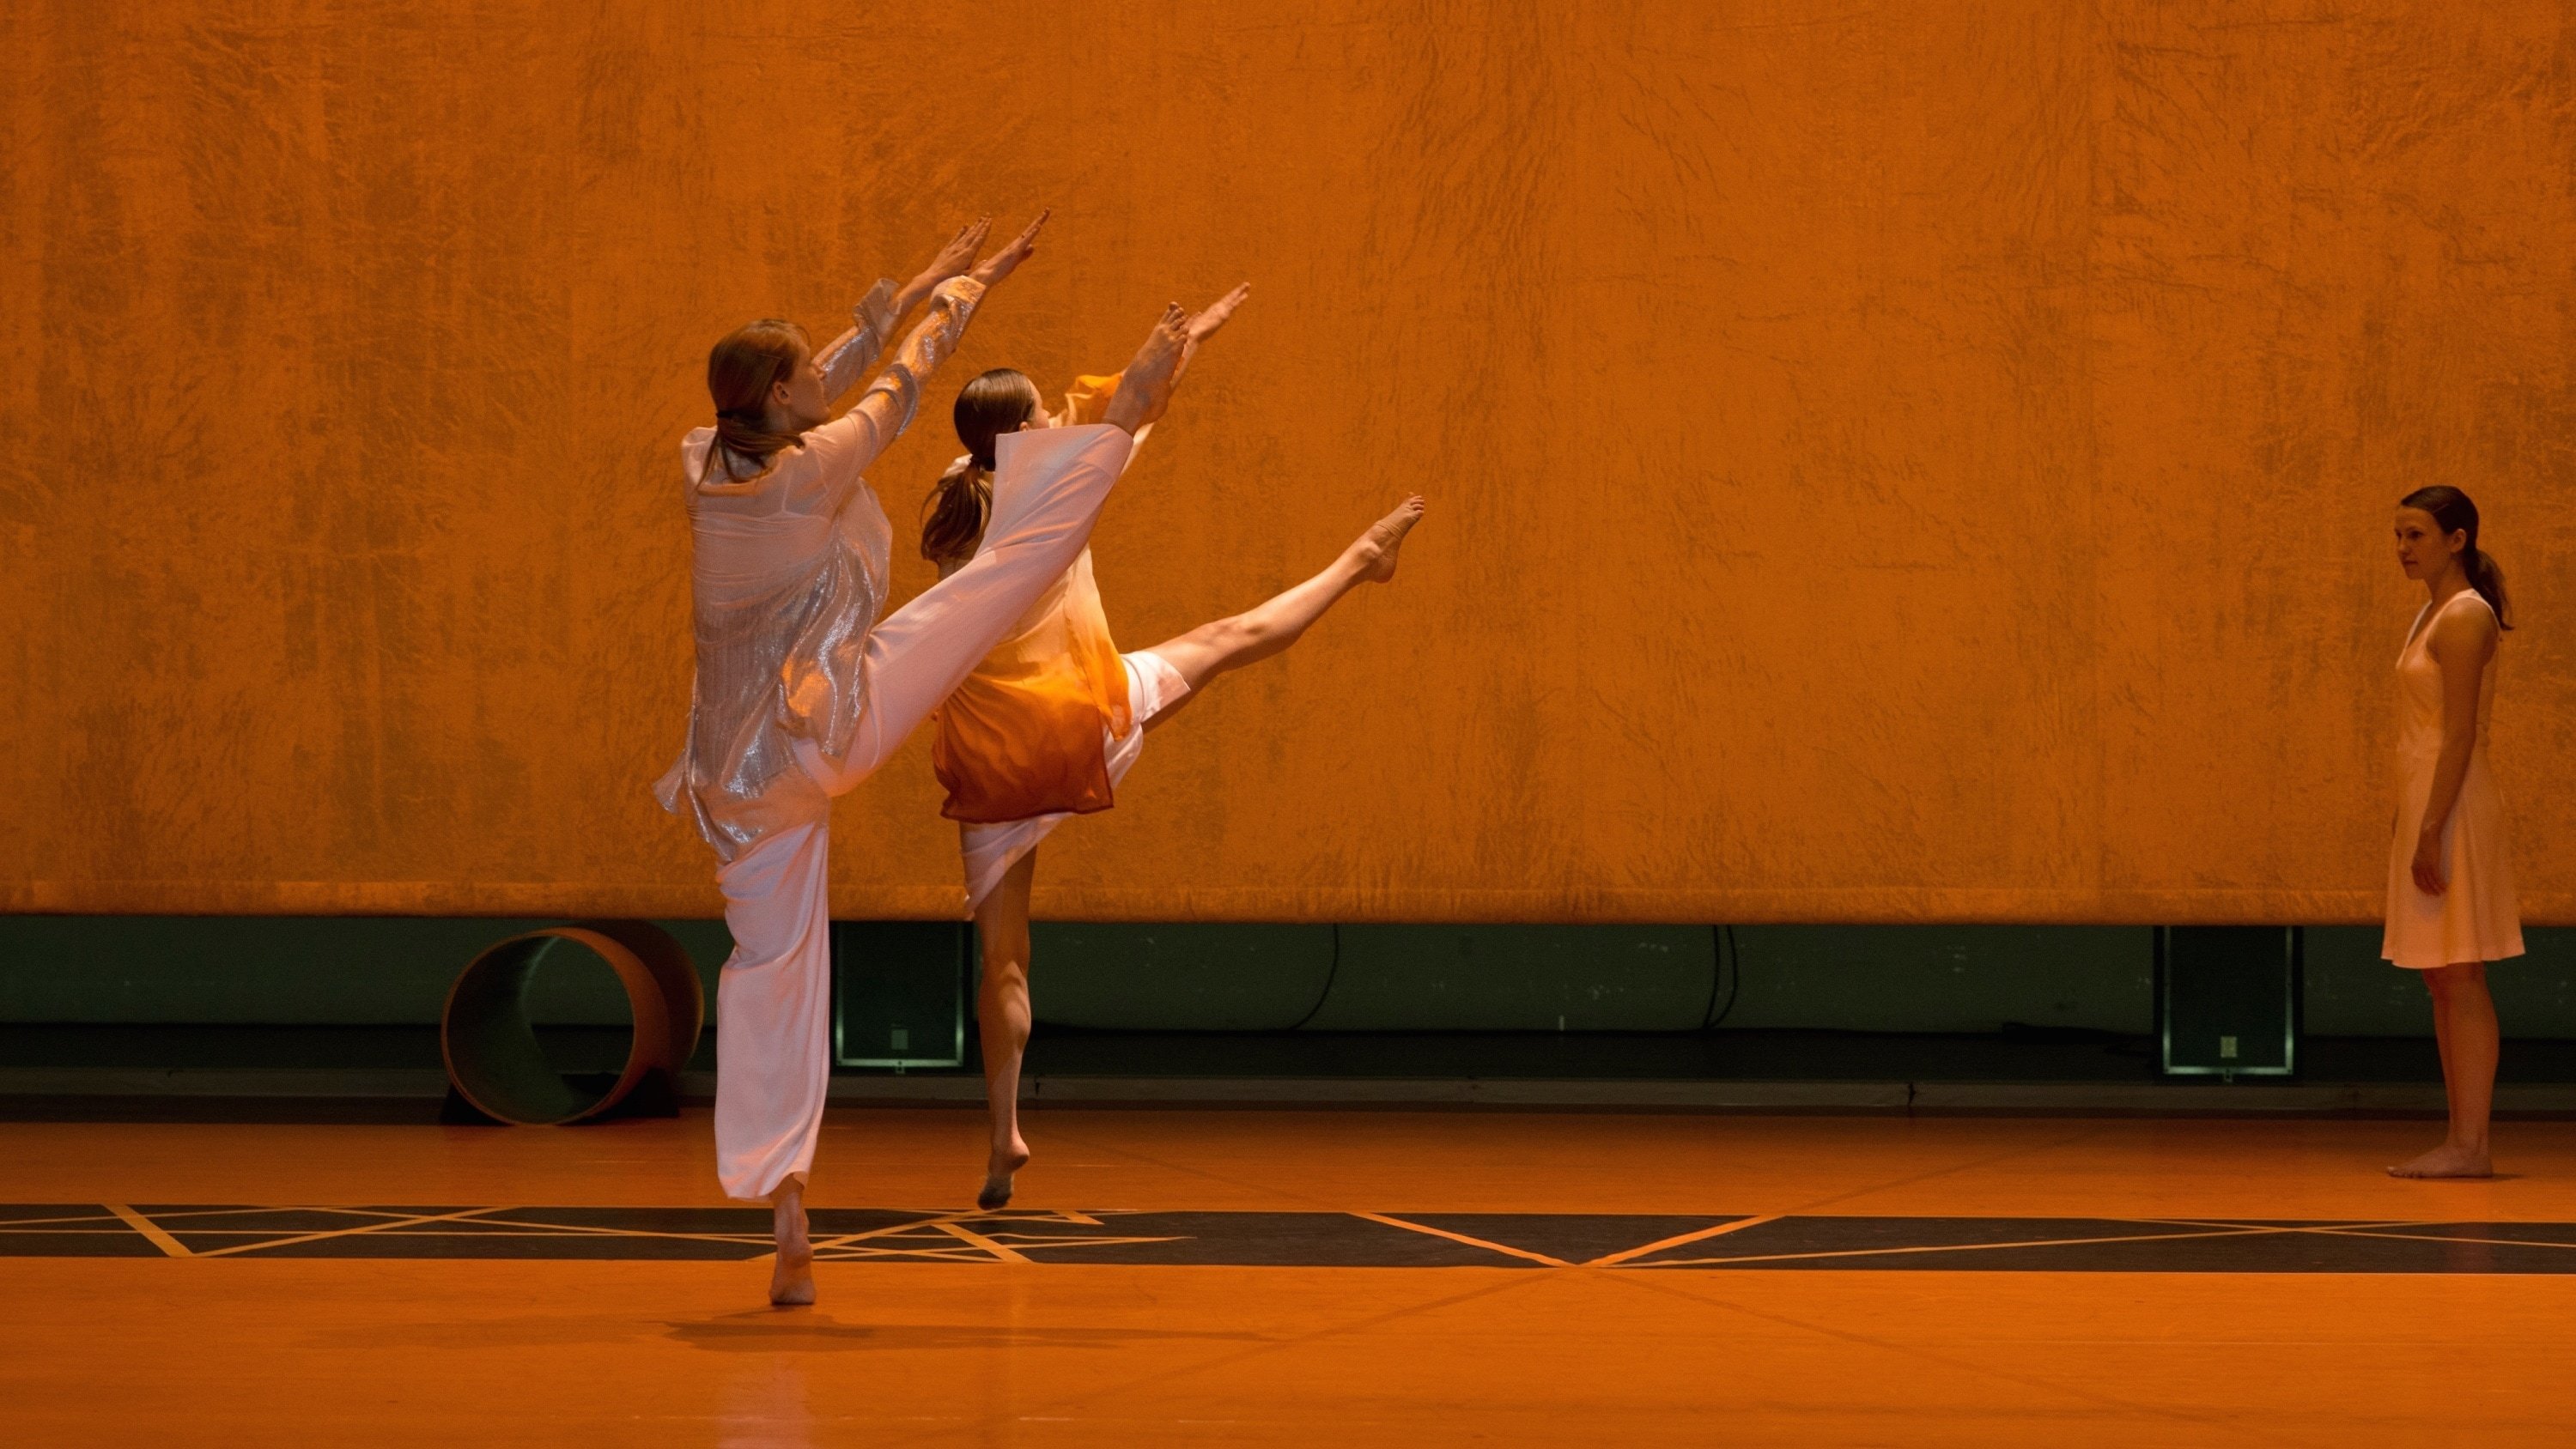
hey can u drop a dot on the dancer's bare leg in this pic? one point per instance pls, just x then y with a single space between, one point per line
791 1282
1259 632
1002 1020
2464 1022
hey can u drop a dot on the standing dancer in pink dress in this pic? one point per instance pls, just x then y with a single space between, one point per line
2450 877
802 692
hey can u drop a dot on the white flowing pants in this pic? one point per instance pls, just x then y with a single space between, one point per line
773 1002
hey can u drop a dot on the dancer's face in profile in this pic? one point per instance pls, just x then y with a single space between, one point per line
2422 549
797 399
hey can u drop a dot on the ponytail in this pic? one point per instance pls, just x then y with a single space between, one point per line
995 403
2454 513
747 437
957 511
2487 577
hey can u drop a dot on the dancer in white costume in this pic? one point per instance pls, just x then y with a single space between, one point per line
1055 716
802 692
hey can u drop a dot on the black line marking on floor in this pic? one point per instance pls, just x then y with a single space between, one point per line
1811 1243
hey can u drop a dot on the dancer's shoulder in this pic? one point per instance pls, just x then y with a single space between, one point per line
2471 627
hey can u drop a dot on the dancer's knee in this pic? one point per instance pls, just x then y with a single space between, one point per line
2459 974
1232 641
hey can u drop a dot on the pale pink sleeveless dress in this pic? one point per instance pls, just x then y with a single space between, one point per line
2474 919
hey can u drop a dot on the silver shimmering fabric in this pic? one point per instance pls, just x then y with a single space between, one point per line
788 574
870 321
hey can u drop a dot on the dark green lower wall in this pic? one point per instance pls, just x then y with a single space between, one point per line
395 971
289 970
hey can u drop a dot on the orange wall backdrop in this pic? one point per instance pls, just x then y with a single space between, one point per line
1887 463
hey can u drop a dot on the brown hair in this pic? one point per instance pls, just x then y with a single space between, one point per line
993 404
741 370
2454 513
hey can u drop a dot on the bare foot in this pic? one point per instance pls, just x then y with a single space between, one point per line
1145 388
791 1282
2447 1161
1376 548
997 1175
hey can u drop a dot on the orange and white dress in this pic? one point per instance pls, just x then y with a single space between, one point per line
1051 720
2474 918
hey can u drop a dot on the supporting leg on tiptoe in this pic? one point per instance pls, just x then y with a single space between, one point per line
2464 1021
1270 627
1002 1022
791 1283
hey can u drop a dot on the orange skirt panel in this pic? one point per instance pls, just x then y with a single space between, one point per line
1027 733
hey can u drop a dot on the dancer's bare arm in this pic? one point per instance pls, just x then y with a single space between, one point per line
1138 394
847 357
1090 397
2463 640
853 440
955 259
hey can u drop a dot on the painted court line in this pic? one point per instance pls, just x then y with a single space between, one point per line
1463 1238
1613 1260
169 1245
359 1231
968 1235
1893 1251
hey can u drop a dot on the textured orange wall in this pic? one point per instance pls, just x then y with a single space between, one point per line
1917 463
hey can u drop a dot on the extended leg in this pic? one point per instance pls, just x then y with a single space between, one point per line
1254 635
2465 1020
1002 1019
1047 494
1047 498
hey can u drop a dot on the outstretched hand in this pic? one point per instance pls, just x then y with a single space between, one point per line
954 258
1002 263
1145 385
1205 324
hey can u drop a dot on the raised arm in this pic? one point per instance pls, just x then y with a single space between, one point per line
2462 642
847 357
882 413
1087 401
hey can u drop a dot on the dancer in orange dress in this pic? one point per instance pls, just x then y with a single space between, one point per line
2450 877
1055 716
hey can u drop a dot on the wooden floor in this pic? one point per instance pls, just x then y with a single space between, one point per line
370 1346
